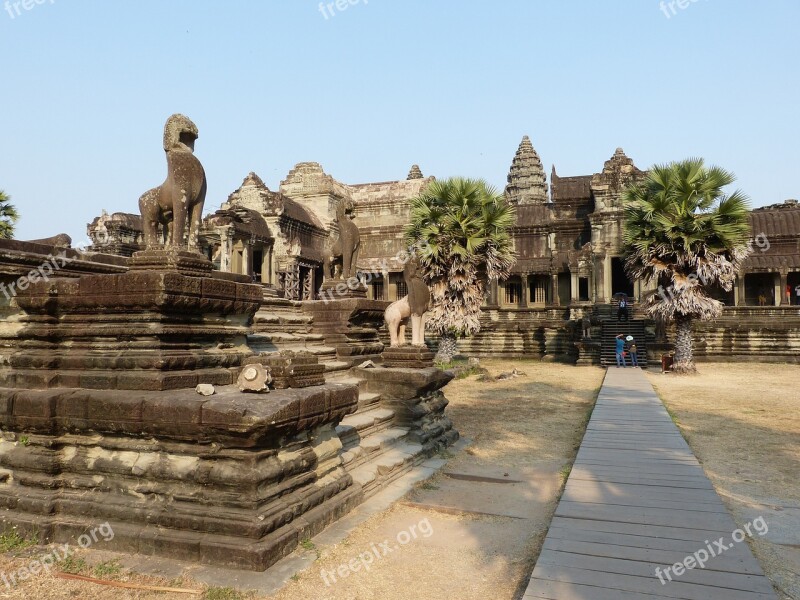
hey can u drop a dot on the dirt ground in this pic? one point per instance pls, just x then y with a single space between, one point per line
743 423
471 532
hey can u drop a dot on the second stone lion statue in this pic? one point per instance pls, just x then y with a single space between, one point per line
344 251
177 204
413 307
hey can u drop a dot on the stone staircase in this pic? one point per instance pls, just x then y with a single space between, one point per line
282 325
608 312
374 451
610 330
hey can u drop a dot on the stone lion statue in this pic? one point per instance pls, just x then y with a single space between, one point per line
177 204
413 307
344 251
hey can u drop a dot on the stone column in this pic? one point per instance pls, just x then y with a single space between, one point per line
556 301
607 293
266 263
574 287
226 250
526 289
247 259
493 293
738 291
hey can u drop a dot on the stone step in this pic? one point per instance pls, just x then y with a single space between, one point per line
343 376
286 341
380 471
372 446
279 318
366 399
383 439
364 421
334 366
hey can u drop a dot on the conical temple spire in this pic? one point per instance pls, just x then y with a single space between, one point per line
415 172
527 182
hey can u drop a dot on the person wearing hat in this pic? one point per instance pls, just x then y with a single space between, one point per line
621 351
632 350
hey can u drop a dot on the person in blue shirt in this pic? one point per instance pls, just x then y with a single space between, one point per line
622 309
621 351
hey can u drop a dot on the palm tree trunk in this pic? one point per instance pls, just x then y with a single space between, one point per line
684 358
447 348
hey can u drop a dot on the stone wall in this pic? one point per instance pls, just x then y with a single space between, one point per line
533 333
751 334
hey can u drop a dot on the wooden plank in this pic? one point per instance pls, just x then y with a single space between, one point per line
642 585
654 556
705 577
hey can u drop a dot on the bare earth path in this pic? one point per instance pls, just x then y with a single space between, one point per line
639 519
471 532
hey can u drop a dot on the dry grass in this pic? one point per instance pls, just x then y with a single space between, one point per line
45 586
743 423
541 415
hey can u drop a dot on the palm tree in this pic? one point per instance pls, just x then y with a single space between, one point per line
459 228
8 216
683 233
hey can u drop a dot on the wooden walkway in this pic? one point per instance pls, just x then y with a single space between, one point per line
636 500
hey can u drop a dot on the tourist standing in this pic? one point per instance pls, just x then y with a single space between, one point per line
622 310
633 351
788 294
621 351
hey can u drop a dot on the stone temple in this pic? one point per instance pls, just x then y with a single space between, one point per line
202 388
568 237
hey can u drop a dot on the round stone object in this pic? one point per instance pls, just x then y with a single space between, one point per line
255 378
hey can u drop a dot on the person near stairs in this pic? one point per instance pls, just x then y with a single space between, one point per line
632 350
622 310
621 351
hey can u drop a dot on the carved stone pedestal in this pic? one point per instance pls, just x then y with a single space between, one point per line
172 260
350 326
338 289
417 399
588 353
407 357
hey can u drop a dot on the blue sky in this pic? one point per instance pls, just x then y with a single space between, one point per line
450 84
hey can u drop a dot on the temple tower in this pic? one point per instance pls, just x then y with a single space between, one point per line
527 182
415 173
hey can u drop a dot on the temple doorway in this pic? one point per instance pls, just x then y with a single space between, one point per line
759 289
793 281
620 283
